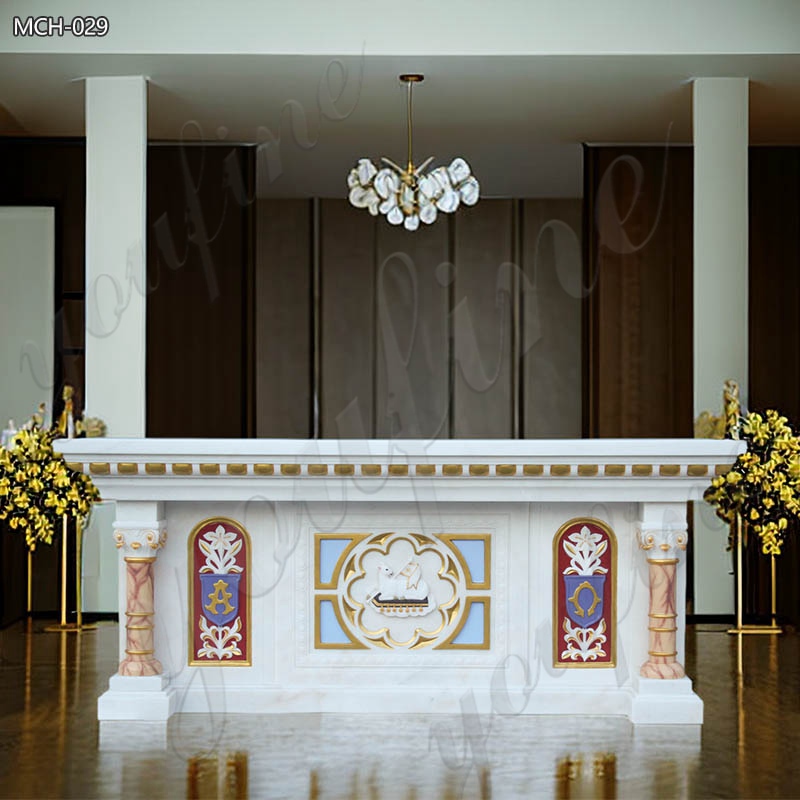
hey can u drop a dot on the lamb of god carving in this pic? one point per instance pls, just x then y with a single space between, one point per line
402 593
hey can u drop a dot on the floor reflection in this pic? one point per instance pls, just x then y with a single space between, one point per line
52 746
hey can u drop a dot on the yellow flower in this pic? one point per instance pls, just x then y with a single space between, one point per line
21 499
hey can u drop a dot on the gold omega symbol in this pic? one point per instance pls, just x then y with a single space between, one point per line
574 599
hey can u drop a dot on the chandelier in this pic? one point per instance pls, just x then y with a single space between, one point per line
410 196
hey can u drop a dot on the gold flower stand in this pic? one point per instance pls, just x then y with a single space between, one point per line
773 628
78 626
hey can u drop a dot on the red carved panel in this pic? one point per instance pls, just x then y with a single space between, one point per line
584 596
219 593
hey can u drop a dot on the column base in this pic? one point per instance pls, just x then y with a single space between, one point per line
146 699
665 702
662 671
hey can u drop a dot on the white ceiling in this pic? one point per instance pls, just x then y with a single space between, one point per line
518 120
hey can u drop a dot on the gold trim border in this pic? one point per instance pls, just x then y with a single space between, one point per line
471 584
612 538
192 661
448 643
354 538
318 643
424 469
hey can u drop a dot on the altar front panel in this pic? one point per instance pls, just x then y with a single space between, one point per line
301 661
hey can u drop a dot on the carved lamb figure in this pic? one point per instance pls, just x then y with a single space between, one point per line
407 584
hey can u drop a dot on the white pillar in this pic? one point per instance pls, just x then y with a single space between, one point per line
720 127
116 165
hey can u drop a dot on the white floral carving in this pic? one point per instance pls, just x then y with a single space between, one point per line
584 643
220 548
220 641
585 550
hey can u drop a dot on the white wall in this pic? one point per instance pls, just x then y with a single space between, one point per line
450 27
100 559
27 258
116 157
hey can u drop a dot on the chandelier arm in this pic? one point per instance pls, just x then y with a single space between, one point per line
424 164
392 164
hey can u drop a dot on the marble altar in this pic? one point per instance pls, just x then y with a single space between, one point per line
269 576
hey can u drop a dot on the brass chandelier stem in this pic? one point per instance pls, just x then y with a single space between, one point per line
410 80
410 151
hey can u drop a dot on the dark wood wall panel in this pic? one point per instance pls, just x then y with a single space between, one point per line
552 308
283 324
347 348
774 287
639 309
774 340
48 172
482 320
52 172
199 291
413 361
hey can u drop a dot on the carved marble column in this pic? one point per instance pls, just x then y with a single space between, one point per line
663 547
139 548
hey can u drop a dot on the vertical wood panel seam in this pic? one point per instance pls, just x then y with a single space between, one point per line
248 299
315 301
517 382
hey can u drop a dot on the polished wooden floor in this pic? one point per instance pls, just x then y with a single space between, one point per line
52 746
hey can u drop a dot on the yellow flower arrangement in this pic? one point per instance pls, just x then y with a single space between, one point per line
37 487
764 483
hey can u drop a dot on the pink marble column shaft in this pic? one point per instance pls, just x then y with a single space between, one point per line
662 661
139 659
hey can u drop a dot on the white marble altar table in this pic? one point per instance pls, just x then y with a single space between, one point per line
536 576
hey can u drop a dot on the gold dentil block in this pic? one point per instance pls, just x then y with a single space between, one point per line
127 468
642 470
236 469
290 469
478 469
426 469
100 468
344 469
317 469
155 468
398 469
264 469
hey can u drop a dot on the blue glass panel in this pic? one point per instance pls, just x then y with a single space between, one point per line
473 552
472 632
329 552
330 632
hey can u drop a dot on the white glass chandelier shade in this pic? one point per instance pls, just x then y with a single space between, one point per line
410 196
